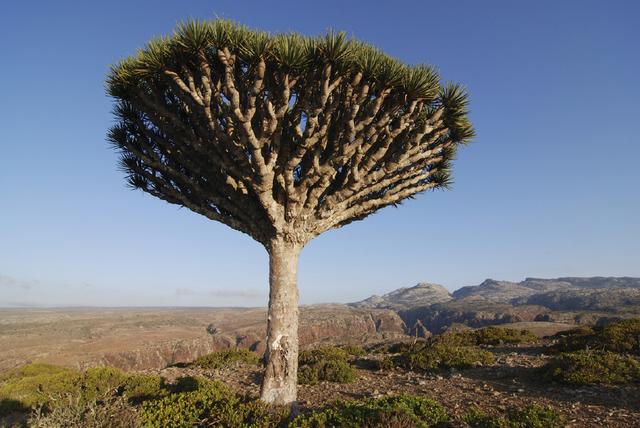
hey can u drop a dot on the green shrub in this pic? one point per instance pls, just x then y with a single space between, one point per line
211 405
488 336
590 367
33 370
47 386
438 356
387 363
99 382
533 416
621 337
400 347
144 387
477 418
308 375
573 340
226 358
73 412
311 356
338 371
398 411
43 384
329 364
354 350
503 336
36 384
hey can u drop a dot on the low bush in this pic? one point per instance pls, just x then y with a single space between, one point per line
621 337
438 356
573 340
311 356
487 336
114 412
401 411
502 336
592 367
387 363
533 416
100 382
105 397
36 384
329 364
354 350
138 388
226 358
327 370
47 387
213 404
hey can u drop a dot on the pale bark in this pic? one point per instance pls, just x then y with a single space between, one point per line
279 385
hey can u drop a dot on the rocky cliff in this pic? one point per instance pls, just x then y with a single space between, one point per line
421 294
429 308
607 300
506 291
318 324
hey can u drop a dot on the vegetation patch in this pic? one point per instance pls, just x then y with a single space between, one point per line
226 358
354 350
573 340
398 411
36 384
311 356
386 363
533 416
212 404
462 345
73 412
620 337
330 364
592 367
437 356
488 336
48 387
138 388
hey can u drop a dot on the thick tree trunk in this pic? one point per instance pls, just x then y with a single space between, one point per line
279 385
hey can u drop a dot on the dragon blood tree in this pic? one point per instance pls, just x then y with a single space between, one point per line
281 137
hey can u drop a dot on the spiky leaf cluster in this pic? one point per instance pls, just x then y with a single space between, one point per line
282 135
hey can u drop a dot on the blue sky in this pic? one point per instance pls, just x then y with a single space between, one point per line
549 187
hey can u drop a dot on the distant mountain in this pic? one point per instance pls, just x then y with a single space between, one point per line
422 294
597 281
505 291
590 299
430 308
497 291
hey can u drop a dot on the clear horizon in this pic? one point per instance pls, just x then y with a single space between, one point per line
73 307
545 190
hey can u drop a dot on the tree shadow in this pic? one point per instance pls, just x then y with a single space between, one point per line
9 406
13 413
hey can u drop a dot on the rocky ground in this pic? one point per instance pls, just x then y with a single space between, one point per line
513 381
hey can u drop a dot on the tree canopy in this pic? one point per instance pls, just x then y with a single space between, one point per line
282 136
